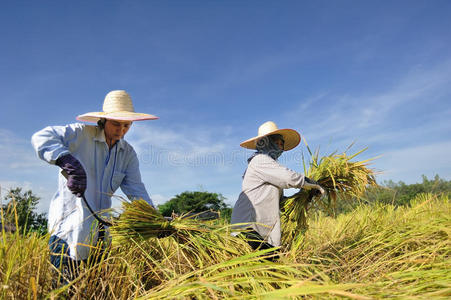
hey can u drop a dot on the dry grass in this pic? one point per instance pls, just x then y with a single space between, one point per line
393 251
339 176
25 271
372 252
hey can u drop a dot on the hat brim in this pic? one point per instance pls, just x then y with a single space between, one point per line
291 137
119 116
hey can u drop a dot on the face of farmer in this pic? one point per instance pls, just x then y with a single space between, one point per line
279 142
115 130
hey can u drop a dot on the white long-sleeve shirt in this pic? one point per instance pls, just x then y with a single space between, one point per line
106 170
262 188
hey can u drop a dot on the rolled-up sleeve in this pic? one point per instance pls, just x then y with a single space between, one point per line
132 185
52 142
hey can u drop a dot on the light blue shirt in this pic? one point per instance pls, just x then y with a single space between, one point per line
106 170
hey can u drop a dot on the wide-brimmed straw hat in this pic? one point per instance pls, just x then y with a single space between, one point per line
291 137
116 106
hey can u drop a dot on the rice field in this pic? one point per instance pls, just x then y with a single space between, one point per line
372 252
375 251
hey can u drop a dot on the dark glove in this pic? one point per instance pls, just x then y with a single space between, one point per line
311 181
312 184
76 175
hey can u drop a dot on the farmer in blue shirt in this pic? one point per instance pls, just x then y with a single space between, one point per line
95 161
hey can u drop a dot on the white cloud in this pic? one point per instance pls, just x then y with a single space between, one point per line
16 153
351 116
408 164
385 121
159 199
22 168
6 186
183 147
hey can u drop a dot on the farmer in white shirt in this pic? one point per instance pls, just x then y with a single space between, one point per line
263 184
96 161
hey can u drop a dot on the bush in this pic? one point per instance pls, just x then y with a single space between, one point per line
24 204
193 202
401 193
398 194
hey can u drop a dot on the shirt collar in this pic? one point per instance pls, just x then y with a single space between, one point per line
100 137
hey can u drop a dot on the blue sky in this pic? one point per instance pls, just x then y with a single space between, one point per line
377 73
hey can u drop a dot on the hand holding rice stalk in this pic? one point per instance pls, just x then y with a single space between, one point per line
339 176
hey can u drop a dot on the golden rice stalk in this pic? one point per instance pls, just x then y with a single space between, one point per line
139 220
188 243
339 176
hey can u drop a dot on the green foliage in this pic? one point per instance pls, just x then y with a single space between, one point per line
193 202
401 193
226 214
23 204
397 194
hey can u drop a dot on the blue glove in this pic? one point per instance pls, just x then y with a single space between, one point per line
76 179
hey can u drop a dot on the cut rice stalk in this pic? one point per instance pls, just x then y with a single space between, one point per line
339 176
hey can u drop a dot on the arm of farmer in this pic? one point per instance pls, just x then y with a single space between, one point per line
132 185
52 145
273 172
53 142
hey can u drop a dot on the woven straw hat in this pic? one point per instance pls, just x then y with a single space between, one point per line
291 137
116 106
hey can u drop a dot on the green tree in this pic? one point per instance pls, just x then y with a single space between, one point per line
22 205
397 193
401 193
193 202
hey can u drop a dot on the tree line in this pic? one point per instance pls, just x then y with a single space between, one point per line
397 193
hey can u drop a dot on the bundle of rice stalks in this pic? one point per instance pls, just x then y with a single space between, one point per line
140 221
339 176
164 249
166 259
